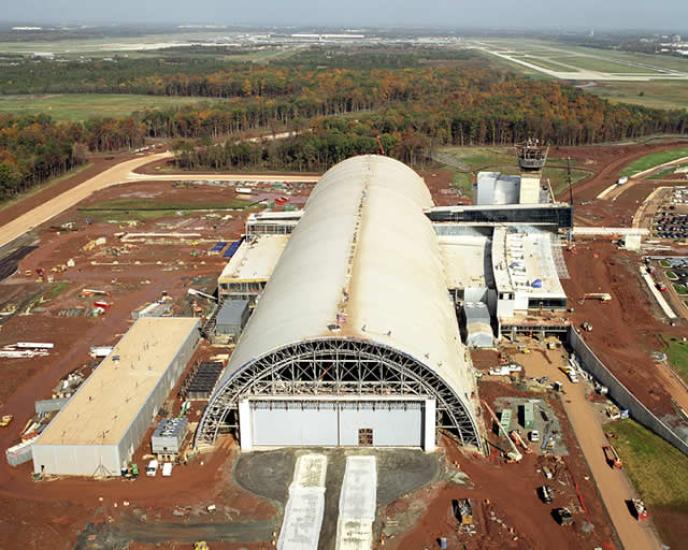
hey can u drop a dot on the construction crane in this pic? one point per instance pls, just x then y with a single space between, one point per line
514 455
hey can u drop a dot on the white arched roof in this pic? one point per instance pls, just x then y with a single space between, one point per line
363 262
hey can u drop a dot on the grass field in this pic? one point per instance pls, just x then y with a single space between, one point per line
570 59
79 107
141 210
677 355
653 159
55 289
656 94
466 162
658 471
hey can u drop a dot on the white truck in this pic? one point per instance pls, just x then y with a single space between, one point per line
167 469
152 468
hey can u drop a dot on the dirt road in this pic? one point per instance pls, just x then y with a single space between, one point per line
613 485
124 172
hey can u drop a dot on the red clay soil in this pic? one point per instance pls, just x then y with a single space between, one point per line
626 329
52 513
509 491
607 161
442 189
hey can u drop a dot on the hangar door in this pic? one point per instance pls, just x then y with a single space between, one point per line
335 423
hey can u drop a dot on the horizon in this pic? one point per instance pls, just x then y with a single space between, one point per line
489 15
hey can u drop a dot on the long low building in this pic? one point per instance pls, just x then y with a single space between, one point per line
98 430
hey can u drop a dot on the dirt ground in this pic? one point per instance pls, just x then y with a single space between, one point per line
627 329
587 424
93 514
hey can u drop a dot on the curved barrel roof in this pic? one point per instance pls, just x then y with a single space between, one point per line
363 262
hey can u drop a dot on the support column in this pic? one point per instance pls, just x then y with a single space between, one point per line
429 426
245 426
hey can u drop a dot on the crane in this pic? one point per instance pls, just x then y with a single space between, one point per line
514 455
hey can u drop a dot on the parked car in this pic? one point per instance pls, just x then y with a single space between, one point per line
152 468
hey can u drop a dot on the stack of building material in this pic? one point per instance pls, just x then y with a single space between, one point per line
357 504
305 508
202 382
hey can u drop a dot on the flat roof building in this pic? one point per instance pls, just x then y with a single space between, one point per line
96 433
250 268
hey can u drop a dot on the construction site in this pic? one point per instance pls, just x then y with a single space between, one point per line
356 359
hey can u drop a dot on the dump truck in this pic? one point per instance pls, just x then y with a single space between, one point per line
612 457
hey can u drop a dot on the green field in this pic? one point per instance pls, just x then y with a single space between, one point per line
677 355
552 55
658 471
120 210
652 160
466 162
659 94
80 107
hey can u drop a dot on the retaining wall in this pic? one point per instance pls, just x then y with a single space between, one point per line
621 395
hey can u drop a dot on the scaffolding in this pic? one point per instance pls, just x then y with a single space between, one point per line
335 366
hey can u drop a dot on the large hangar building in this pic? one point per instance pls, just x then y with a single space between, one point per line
355 339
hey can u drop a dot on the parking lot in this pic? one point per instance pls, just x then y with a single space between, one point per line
671 220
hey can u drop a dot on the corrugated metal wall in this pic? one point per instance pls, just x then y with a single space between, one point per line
331 424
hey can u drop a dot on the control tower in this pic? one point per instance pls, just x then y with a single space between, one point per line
531 155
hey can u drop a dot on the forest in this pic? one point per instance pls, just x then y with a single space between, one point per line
334 111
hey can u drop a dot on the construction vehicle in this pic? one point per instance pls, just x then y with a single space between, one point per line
601 296
639 509
519 441
546 494
612 457
570 372
201 545
6 420
563 516
463 511
131 472
514 455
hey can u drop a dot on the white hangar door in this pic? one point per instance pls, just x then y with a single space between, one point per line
333 423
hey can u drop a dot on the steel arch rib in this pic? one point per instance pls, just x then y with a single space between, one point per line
337 366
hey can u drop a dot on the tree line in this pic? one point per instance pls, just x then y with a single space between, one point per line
345 110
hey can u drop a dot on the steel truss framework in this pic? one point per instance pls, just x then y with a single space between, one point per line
335 366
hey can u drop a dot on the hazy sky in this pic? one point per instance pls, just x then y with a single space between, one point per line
600 14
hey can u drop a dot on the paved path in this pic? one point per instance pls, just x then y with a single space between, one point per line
612 484
124 172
